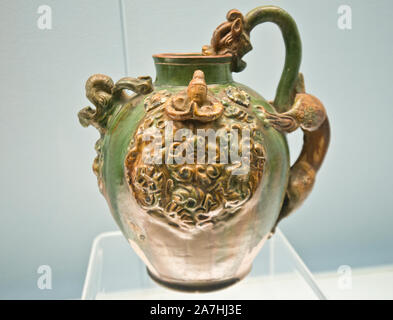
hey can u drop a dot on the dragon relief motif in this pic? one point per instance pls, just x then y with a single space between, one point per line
231 37
207 187
103 93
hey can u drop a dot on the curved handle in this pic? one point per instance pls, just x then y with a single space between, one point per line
284 94
295 108
233 37
309 114
303 172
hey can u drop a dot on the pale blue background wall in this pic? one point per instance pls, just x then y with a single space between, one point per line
50 206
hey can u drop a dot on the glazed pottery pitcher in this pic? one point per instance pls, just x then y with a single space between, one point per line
195 166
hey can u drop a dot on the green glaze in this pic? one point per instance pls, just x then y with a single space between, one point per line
174 72
214 255
124 122
293 53
178 71
115 147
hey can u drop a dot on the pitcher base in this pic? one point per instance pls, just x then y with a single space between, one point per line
197 286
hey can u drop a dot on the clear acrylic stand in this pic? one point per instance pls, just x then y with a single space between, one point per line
116 272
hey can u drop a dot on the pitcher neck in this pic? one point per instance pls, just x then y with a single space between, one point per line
177 69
